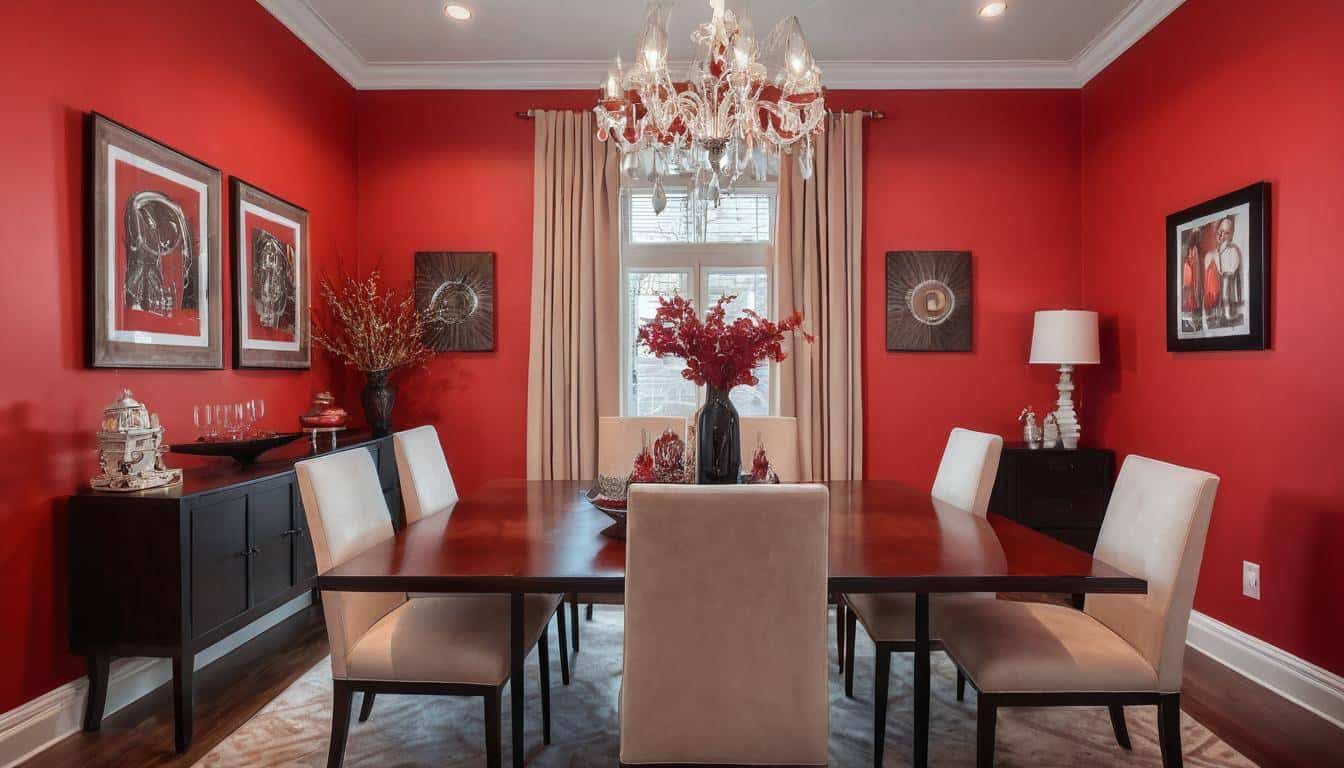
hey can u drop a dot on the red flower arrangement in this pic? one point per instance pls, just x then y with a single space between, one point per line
717 352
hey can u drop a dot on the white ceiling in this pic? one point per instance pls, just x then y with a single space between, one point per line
858 43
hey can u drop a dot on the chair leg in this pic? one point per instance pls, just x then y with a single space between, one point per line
851 632
574 620
366 706
544 665
881 679
1169 730
342 699
1118 724
589 615
494 757
986 718
961 685
563 636
840 633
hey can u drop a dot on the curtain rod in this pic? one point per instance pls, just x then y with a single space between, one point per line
871 114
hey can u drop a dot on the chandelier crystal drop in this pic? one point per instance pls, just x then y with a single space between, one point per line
741 106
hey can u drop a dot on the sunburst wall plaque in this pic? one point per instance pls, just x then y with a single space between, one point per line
929 301
455 294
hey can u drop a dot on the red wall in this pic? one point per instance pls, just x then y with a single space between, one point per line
1220 95
222 81
995 172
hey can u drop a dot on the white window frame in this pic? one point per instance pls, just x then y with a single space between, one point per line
695 260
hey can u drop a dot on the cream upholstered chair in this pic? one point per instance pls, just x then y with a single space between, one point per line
708 678
620 438
963 484
779 435
1120 649
426 482
385 643
619 441
427 488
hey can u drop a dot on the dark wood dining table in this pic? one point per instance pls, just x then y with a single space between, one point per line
518 537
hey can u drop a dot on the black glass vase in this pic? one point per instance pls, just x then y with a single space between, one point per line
718 436
378 398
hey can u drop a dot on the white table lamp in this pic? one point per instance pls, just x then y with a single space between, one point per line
1066 338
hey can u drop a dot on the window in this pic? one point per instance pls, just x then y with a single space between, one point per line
701 254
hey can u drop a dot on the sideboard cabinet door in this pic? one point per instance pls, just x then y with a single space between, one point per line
218 562
305 560
269 511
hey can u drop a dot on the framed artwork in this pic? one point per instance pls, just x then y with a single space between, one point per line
153 218
455 294
928 301
270 280
1218 273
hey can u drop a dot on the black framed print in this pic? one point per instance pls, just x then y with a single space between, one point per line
1218 273
270 280
153 218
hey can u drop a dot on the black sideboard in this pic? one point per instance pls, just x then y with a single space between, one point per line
1058 492
170 571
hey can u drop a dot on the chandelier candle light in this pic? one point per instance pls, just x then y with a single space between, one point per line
741 106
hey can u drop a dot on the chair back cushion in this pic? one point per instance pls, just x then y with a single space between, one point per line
620 438
966 473
725 625
1154 529
343 502
426 482
779 434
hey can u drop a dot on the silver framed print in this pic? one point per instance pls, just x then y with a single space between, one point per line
270 280
153 217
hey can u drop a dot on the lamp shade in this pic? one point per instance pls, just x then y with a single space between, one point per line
1065 336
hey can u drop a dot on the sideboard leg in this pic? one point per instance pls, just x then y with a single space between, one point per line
182 674
97 701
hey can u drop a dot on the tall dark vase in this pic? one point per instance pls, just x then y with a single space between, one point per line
718 450
378 398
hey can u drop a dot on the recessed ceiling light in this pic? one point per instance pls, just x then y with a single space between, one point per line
462 13
992 10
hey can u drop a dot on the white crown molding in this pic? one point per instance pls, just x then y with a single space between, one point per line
1126 30
1318 690
1115 39
36 725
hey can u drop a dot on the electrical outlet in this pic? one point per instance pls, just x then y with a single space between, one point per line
1250 579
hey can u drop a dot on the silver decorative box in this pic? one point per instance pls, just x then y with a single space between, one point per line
130 449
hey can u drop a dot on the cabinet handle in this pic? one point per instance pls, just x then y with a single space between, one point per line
250 552
292 532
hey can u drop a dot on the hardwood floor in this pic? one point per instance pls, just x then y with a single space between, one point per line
228 692
1261 725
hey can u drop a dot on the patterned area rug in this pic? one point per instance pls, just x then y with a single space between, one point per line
292 730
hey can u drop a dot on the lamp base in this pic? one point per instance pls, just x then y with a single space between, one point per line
1069 428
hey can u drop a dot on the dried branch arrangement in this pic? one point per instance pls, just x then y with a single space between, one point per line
375 327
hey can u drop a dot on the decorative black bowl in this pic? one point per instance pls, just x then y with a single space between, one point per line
617 513
242 451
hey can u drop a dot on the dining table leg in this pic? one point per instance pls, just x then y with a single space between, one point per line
516 675
921 756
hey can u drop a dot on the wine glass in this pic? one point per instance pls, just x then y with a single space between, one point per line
239 423
200 416
221 419
256 411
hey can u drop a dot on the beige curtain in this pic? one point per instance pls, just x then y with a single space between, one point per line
573 370
818 263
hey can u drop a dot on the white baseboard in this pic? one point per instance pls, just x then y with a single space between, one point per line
1298 680
36 725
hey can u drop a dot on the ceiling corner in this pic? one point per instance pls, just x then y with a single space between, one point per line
1119 35
308 26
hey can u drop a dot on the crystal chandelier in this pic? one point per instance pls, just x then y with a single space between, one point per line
739 108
